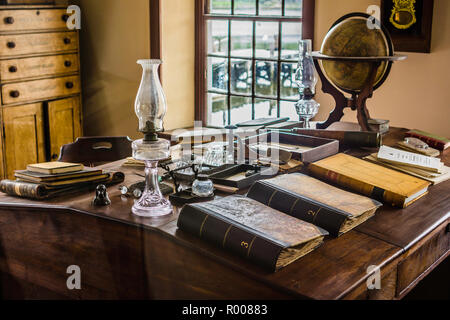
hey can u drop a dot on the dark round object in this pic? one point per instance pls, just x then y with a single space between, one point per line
12 69
11 45
69 85
14 94
65 17
9 20
67 40
350 36
67 63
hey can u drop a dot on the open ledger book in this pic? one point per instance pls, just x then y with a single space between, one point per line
275 224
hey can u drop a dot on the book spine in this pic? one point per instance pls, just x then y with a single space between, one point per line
23 190
432 142
299 207
229 236
355 185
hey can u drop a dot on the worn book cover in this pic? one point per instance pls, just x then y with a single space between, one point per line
55 167
252 230
314 201
36 191
43 177
432 140
375 181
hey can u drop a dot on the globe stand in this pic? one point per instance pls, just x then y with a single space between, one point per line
358 99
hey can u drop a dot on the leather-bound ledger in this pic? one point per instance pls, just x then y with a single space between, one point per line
375 181
314 201
37 191
252 230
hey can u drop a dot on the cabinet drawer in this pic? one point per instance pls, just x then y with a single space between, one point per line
37 43
34 19
40 89
417 262
17 69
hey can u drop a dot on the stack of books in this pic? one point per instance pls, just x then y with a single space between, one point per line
46 180
427 168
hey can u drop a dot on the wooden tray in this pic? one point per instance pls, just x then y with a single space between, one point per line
317 148
225 177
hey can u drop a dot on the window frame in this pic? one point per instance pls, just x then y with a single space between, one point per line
201 18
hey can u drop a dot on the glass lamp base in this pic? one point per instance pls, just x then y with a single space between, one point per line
152 203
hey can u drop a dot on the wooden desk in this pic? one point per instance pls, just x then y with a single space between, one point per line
122 256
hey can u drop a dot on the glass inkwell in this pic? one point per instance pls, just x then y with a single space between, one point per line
202 186
306 79
150 108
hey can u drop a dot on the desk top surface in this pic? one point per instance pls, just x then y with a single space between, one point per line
329 272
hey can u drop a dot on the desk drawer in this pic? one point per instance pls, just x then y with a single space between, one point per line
418 261
35 19
37 43
40 89
17 69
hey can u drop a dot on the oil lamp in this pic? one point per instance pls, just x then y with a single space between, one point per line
150 108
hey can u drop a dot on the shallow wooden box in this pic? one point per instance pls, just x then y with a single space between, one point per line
320 148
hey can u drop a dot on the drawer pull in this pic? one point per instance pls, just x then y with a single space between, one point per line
67 41
69 85
65 17
54 156
9 20
67 63
11 44
14 94
12 69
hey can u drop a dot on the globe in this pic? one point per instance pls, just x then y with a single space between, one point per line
351 37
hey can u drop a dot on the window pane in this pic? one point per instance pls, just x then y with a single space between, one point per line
265 108
218 74
241 76
267 40
245 7
220 6
241 109
241 38
291 35
218 37
288 86
270 7
293 8
287 109
217 110
266 79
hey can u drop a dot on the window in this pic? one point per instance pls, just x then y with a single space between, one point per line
247 53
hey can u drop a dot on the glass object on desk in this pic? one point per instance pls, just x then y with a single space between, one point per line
150 108
202 187
215 156
416 143
306 79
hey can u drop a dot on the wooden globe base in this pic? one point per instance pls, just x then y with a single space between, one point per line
358 100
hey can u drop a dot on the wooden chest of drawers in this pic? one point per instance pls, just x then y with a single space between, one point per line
40 85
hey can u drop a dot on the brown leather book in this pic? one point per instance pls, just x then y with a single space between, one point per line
314 201
375 181
36 191
46 178
252 230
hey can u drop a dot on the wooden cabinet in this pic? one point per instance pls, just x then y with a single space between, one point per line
65 111
24 136
39 84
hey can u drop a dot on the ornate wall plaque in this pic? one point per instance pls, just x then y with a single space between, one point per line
409 23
